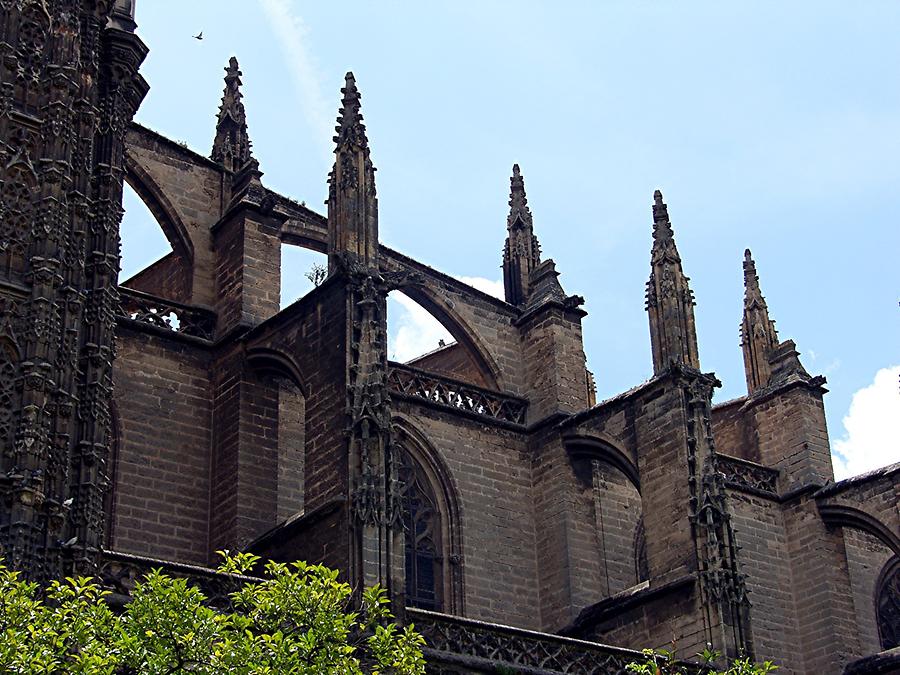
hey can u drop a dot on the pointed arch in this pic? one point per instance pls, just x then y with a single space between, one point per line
848 516
162 209
591 447
450 319
431 467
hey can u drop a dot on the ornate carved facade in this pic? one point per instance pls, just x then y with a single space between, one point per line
525 525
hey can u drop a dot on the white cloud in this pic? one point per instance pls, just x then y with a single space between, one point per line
292 32
412 331
494 288
871 427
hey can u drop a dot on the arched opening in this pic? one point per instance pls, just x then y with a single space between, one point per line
430 516
610 483
422 337
412 331
302 269
143 241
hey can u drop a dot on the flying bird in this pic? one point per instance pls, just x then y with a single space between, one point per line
199 36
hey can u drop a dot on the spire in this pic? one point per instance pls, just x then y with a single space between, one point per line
352 201
758 335
522 252
231 147
670 302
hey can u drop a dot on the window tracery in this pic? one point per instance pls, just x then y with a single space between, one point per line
887 605
422 536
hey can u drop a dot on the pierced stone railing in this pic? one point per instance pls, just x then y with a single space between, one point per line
167 314
119 572
448 393
745 475
454 644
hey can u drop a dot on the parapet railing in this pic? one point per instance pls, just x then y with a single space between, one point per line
454 644
448 393
167 314
749 476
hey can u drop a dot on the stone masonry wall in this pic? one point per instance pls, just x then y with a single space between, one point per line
491 471
866 557
162 474
759 530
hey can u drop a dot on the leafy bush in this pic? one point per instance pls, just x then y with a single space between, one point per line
663 662
294 621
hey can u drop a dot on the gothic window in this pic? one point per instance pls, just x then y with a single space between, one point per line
887 605
422 534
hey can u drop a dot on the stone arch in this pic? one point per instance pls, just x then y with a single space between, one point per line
611 489
887 604
275 362
410 439
835 515
432 302
162 209
582 446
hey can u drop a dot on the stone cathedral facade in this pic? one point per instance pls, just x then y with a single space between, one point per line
520 523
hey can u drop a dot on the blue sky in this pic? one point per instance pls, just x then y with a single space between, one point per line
769 125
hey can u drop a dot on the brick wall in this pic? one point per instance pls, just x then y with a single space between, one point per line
553 356
730 429
491 470
291 448
162 472
791 435
759 529
866 557
248 270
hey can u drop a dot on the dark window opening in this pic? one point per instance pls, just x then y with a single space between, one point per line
422 535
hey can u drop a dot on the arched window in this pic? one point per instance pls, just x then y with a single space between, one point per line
887 604
422 536
431 530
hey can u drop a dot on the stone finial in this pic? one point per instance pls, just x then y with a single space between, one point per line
522 251
670 301
758 335
350 129
519 213
352 201
231 146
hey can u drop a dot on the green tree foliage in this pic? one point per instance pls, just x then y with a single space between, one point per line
293 621
663 662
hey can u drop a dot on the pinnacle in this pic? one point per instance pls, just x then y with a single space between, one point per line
518 201
662 228
350 128
231 146
751 279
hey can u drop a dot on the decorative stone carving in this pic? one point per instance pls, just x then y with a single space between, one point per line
443 391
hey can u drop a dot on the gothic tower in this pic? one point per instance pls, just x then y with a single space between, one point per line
71 88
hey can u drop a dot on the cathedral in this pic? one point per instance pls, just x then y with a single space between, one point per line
520 524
